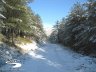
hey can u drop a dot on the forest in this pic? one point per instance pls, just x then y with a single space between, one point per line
19 22
78 29
25 45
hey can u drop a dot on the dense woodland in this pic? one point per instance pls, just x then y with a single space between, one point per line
78 29
18 20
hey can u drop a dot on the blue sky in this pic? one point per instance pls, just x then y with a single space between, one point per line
52 10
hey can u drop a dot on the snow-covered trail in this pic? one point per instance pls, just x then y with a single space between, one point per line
56 58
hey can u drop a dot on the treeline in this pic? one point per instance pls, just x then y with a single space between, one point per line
78 29
17 19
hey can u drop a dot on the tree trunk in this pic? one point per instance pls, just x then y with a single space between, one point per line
12 36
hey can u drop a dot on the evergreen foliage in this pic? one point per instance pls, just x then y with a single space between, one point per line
19 20
78 29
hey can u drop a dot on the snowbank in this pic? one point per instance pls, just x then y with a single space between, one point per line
7 53
25 48
9 56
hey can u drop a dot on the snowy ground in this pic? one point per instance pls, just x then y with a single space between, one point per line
25 48
55 58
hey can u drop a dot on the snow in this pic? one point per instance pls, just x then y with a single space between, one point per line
2 16
27 47
16 65
56 58
93 39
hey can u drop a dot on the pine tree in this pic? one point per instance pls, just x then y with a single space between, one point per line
2 9
16 17
91 12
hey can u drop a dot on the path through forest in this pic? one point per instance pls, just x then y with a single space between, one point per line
56 58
